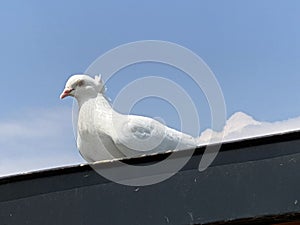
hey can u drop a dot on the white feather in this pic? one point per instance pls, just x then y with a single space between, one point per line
105 134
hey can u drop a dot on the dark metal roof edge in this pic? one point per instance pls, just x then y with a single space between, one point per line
267 220
225 146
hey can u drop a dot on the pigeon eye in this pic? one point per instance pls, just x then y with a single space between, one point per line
80 83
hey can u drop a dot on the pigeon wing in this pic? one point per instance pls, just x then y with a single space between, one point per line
138 135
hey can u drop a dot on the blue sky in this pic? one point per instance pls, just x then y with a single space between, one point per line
252 47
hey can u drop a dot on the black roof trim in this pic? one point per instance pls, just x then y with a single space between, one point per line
225 147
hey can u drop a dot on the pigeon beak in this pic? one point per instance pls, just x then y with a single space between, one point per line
66 93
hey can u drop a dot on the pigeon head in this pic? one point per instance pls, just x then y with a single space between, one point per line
83 87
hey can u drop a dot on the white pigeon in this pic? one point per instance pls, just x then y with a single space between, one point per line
103 133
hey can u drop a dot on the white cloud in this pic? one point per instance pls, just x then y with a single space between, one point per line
242 126
37 139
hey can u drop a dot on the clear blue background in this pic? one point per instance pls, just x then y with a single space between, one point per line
253 47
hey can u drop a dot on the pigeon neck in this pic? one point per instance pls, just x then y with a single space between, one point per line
104 102
100 99
84 98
